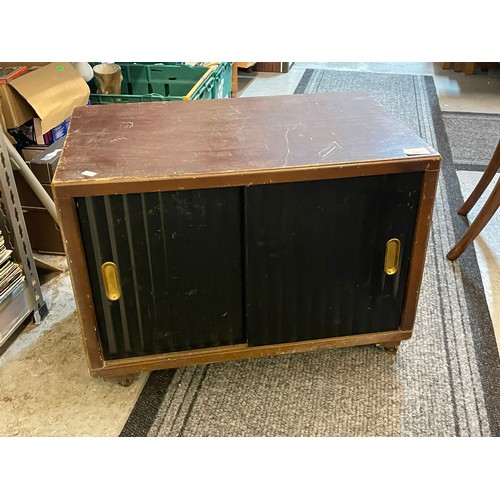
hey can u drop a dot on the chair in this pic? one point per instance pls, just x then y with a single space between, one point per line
490 207
458 66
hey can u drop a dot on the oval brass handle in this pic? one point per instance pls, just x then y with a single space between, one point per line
111 280
392 249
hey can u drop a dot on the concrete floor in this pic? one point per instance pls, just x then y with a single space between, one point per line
479 93
45 389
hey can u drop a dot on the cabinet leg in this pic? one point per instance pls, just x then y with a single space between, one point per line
124 380
391 347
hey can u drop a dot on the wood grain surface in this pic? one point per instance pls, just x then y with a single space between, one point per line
195 139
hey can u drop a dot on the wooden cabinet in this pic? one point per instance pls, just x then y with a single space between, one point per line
234 81
205 231
272 67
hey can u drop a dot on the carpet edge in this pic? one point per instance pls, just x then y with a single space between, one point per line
147 405
485 346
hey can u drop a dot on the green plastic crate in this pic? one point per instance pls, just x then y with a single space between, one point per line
222 76
144 82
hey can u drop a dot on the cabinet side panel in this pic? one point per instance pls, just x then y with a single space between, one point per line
179 260
315 256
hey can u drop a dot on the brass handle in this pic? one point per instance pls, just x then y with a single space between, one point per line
392 249
111 280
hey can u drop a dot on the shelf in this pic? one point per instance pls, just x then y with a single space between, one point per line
14 309
26 297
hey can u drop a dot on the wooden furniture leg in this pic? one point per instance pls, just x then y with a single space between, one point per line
483 183
486 213
458 66
446 65
469 68
391 347
234 84
234 81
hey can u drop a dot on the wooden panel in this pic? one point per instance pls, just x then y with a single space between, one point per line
248 178
244 65
419 249
273 67
190 139
234 81
73 245
121 367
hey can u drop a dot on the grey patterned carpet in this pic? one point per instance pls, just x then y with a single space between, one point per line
472 137
444 382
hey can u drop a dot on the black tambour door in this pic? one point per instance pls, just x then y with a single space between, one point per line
316 256
177 261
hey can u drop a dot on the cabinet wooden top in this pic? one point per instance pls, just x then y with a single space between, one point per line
121 143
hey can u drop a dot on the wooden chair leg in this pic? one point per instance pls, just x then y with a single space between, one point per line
469 68
234 81
458 66
483 183
446 65
484 216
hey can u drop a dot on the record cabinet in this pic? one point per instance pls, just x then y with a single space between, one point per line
206 231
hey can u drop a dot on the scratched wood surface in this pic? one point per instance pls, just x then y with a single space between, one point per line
119 142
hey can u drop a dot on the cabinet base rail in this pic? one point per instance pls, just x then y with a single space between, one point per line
122 367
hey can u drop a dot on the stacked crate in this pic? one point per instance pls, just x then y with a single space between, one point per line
149 82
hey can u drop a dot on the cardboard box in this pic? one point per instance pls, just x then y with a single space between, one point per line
52 135
49 93
15 110
27 196
44 164
3 125
45 235
30 152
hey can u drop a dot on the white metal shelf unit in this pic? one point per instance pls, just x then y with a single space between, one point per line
26 298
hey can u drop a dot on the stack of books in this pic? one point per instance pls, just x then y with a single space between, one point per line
11 274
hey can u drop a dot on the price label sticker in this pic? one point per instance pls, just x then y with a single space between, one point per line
416 151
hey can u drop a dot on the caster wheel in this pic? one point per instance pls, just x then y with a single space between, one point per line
390 347
126 381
